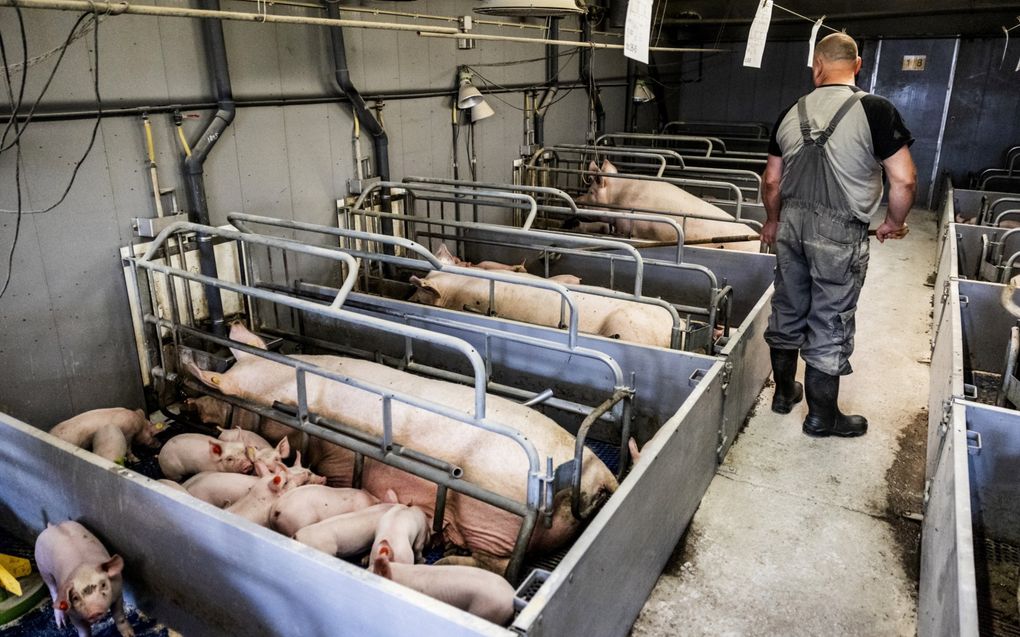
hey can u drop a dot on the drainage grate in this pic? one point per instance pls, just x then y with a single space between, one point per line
998 565
529 587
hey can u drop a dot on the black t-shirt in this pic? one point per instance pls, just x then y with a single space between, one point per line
888 132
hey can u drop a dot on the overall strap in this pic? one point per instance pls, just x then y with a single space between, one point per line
840 114
805 125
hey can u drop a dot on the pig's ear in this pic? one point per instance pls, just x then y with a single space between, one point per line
211 379
240 333
297 459
608 167
261 470
381 561
445 256
427 292
113 566
215 449
277 483
283 447
596 180
250 454
391 496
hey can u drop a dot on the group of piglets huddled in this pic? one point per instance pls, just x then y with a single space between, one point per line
242 472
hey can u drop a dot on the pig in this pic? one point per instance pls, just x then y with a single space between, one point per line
83 578
313 503
257 446
613 318
188 454
445 256
471 589
264 492
214 411
116 427
404 529
710 221
493 462
346 534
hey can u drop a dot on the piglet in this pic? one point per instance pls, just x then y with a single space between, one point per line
258 447
346 534
83 578
214 411
109 432
309 504
172 485
404 529
269 486
472 589
187 454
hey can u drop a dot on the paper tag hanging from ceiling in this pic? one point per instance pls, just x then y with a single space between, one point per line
637 30
814 37
758 34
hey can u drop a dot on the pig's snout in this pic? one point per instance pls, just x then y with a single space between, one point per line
96 616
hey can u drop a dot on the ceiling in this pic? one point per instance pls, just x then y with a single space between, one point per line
861 18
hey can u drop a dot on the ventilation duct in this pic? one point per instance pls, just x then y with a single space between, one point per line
532 8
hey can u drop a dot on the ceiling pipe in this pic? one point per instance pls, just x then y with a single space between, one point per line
552 81
855 17
368 121
194 164
584 72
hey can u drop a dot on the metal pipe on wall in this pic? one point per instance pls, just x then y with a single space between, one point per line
194 164
628 105
380 142
552 82
585 74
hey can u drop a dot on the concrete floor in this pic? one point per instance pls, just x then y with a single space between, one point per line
799 536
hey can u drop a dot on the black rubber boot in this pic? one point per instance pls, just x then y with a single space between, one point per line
788 391
824 417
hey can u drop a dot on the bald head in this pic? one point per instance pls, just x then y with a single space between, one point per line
836 60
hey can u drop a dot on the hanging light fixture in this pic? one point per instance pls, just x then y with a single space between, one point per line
642 92
480 111
531 8
467 95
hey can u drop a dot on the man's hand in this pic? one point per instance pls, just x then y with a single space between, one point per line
769 232
891 230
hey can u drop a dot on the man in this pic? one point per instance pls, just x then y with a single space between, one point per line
822 184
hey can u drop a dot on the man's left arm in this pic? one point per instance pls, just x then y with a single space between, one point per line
902 175
770 186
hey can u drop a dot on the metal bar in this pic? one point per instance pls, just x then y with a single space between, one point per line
510 196
582 433
555 192
640 136
119 8
510 38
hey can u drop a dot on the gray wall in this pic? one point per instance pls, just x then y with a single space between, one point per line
65 334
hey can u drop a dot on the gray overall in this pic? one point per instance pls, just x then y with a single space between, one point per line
821 256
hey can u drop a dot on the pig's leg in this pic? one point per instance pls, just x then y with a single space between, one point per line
119 619
458 560
58 615
83 627
109 443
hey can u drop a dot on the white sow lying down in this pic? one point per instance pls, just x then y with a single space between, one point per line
494 462
664 197
612 318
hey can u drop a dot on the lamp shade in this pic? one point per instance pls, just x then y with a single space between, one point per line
642 93
481 110
531 8
468 96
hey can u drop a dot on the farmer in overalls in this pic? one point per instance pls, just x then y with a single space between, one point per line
822 184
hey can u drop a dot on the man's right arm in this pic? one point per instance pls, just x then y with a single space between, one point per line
771 180
902 175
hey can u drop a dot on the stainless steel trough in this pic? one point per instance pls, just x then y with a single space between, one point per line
972 490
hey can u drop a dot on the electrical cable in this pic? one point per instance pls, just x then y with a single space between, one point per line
46 86
17 143
92 138
7 75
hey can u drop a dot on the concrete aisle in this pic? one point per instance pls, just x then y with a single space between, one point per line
798 536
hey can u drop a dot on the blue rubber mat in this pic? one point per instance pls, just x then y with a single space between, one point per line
40 623
608 453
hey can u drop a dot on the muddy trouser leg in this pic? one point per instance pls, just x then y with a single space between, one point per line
837 253
791 302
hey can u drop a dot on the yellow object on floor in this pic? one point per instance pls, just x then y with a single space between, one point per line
16 566
9 582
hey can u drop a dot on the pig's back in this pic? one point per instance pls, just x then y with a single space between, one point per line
60 549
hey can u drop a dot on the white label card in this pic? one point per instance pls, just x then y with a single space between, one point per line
637 30
814 37
758 34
